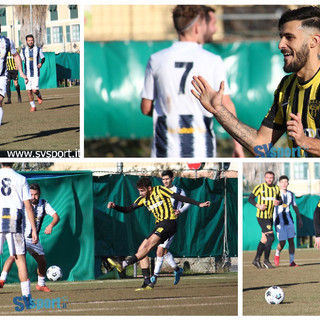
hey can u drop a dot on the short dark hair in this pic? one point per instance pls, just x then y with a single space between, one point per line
35 186
185 15
206 10
29 36
167 173
269 172
310 17
7 164
283 178
144 182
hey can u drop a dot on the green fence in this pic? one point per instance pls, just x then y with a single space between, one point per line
56 67
252 230
200 230
71 244
114 74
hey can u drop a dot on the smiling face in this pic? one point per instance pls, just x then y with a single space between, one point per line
294 45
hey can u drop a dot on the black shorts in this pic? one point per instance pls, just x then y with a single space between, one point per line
265 224
12 75
164 229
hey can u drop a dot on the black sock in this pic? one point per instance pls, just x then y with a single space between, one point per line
176 268
260 250
146 275
132 260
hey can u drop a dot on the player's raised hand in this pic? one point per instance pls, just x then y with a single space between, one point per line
205 204
209 98
111 205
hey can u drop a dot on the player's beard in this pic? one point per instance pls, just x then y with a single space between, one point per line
300 61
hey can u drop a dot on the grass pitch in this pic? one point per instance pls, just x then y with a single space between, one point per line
194 295
300 284
54 126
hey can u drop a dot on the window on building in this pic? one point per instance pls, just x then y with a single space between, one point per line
3 16
287 169
301 170
76 33
73 11
317 170
4 33
68 34
19 39
48 35
53 12
57 35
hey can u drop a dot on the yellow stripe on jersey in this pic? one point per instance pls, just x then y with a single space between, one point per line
159 203
11 65
292 97
266 195
318 204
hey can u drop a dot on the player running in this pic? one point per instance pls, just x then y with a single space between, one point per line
158 201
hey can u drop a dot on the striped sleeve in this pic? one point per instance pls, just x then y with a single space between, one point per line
139 201
165 191
257 190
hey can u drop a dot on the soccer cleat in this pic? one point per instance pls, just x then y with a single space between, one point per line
267 264
257 263
33 109
19 100
153 279
115 264
39 99
145 286
177 275
43 288
1 283
293 264
276 260
7 102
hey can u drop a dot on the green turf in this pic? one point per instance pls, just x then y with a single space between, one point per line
300 284
194 295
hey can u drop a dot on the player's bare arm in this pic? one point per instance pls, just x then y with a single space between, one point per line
247 136
54 222
147 107
295 130
18 62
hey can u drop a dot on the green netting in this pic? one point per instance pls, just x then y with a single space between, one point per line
68 65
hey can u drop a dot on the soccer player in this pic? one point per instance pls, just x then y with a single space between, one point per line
181 127
7 45
33 60
157 200
41 208
268 197
283 221
163 248
12 75
295 109
14 195
316 225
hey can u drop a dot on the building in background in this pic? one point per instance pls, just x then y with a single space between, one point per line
62 27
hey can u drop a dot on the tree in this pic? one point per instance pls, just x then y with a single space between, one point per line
33 21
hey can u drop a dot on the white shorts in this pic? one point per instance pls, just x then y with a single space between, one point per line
33 83
285 232
167 243
16 243
34 247
3 86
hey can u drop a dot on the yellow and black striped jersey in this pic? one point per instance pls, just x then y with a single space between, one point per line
293 97
266 195
159 203
11 65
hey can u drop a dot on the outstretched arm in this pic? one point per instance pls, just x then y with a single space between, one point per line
127 209
247 136
181 198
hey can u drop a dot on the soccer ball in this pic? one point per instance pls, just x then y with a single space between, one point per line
54 273
274 295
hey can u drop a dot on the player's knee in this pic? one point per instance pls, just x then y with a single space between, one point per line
270 239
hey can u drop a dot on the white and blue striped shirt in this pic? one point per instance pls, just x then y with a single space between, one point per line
282 214
31 57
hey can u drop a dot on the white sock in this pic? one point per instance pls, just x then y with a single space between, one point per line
158 265
1 115
41 281
4 275
32 104
25 288
291 255
277 253
170 260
